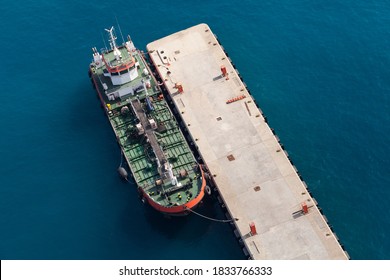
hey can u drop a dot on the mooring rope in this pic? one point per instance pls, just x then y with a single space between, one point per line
211 219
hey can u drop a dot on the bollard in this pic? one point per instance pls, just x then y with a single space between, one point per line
305 209
179 87
253 228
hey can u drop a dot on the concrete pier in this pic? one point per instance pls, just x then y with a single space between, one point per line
255 179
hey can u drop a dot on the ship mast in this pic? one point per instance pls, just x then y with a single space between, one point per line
112 41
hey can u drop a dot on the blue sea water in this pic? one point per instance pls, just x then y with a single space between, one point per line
320 71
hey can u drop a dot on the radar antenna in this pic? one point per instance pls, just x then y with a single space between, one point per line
112 41
112 37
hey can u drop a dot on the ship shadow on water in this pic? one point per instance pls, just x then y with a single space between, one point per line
162 237
86 117
188 227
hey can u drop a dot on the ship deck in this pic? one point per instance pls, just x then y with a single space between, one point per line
253 174
141 150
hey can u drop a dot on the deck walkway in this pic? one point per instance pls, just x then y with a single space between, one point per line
253 174
140 113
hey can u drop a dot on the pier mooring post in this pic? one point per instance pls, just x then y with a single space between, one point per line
253 228
305 209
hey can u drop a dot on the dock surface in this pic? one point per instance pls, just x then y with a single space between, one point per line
255 179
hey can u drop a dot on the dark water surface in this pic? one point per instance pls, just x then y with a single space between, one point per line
318 69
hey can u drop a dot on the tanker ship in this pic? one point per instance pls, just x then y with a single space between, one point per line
157 154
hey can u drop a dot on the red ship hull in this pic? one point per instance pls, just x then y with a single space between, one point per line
178 210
